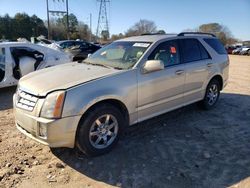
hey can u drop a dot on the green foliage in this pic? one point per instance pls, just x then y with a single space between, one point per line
221 31
21 25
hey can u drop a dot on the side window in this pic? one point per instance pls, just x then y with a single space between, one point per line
190 50
168 52
2 56
204 53
216 45
2 63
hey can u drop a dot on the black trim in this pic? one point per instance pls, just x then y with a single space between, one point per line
194 33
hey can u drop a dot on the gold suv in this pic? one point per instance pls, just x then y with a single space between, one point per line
89 104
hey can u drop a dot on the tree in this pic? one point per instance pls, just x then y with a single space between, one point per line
221 31
73 22
143 26
38 26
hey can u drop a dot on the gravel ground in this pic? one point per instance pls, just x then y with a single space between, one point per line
184 148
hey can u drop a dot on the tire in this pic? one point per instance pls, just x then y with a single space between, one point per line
99 131
212 95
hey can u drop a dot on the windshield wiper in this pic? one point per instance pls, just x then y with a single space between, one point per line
97 64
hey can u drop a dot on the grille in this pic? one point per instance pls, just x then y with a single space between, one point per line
25 101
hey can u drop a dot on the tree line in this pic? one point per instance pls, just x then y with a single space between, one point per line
24 26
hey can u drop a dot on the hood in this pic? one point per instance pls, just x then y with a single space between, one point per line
41 82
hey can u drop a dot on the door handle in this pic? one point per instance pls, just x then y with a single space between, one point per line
209 64
179 72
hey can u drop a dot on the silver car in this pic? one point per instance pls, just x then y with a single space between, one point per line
88 105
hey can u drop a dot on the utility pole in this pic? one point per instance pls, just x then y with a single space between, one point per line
67 10
103 25
62 12
90 27
48 19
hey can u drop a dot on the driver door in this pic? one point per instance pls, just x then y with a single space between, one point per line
162 91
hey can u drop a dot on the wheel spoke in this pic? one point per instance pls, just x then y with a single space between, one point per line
98 140
94 133
107 119
98 122
105 140
110 133
112 125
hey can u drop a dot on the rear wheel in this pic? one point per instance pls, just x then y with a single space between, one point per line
212 95
100 130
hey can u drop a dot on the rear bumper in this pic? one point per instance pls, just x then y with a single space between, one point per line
60 132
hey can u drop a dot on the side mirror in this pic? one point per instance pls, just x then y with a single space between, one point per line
152 66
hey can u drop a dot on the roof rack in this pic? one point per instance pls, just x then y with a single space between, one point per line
195 33
152 34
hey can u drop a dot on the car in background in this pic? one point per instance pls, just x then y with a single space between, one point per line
20 58
245 50
230 49
237 50
79 49
89 104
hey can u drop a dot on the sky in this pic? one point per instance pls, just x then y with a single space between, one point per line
173 16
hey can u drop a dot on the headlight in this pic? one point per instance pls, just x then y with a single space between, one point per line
53 105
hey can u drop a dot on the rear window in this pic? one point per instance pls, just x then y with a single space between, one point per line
216 45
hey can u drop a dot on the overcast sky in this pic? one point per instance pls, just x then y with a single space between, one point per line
171 15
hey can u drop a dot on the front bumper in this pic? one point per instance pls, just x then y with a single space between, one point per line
60 132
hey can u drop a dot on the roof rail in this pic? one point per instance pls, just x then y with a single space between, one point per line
152 34
158 33
194 33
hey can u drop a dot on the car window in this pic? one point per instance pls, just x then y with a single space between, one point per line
2 63
2 55
216 45
121 55
168 52
190 50
203 51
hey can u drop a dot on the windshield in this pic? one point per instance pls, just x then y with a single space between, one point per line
120 55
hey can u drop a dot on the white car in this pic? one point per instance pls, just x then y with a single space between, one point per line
18 59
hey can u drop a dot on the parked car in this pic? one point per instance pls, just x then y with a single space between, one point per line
79 49
89 104
237 50
245 50
230 49
18 59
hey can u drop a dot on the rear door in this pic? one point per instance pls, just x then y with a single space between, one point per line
197 62
161 91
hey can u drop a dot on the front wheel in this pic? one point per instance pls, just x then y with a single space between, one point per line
211 96
99 130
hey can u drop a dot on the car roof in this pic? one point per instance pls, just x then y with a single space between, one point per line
6 44
148 38
157 37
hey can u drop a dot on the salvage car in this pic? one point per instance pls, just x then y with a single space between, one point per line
89 104
18 59
79 49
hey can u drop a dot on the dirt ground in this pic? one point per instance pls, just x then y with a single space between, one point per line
184 148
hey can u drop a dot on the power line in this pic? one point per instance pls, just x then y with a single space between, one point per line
103 24
60 10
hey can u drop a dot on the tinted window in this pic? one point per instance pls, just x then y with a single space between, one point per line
204 53
168 52
216 45
190 50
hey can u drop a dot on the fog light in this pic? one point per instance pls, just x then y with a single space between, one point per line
43 131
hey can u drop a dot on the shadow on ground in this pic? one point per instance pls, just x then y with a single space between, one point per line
184 148
6 95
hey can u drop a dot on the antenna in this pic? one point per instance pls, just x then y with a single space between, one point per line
103 24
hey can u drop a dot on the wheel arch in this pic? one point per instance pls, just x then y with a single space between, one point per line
219 79
111 101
